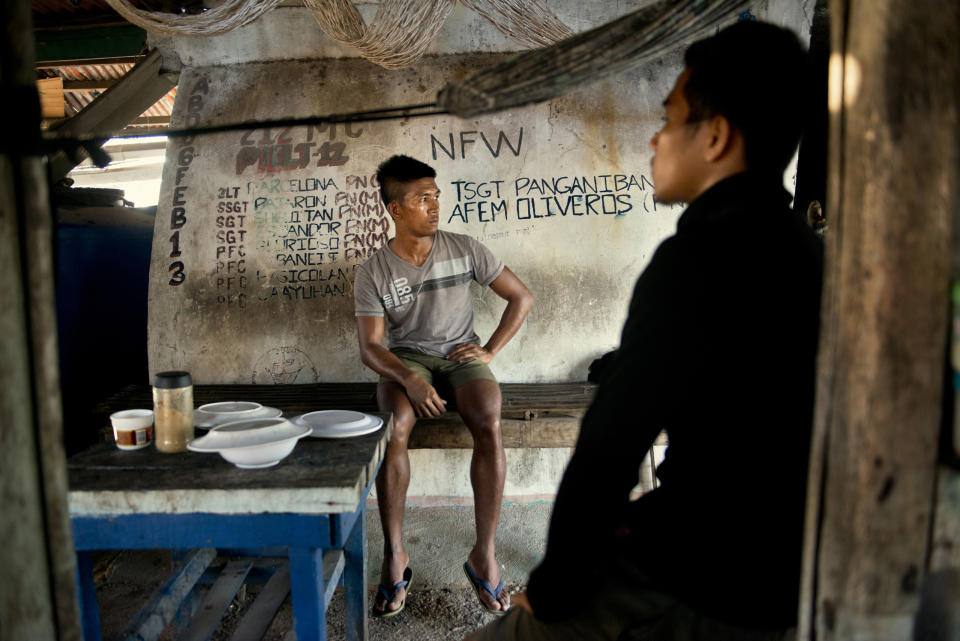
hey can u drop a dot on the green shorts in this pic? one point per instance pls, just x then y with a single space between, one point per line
436 370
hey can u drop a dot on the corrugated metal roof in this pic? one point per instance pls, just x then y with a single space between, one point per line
74 14
75 100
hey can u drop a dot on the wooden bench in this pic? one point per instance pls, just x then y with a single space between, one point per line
534 415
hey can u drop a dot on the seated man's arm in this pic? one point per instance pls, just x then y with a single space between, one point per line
423 397
519 302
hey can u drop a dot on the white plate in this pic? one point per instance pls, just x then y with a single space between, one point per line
205 419
339 423
240 409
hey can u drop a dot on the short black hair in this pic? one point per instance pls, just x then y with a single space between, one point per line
398 170
754 74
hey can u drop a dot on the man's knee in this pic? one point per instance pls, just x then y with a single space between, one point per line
479 405
392 398
484 425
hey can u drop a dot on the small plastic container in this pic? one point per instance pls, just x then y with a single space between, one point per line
173 411
132 429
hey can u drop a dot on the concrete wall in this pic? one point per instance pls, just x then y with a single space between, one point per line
259 233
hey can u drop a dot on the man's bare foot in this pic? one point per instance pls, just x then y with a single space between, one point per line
392 572
487 569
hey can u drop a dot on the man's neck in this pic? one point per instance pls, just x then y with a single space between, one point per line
413 249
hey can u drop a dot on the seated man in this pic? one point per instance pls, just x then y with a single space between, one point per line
420 283
719 349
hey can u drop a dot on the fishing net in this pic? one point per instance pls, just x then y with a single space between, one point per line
545 73
220 19
402 30
526 22
398 35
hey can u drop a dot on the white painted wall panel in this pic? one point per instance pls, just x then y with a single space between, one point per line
259 233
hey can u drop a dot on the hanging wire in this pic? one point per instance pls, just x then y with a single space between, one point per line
91 142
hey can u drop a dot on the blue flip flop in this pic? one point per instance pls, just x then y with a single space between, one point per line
389 593
476 582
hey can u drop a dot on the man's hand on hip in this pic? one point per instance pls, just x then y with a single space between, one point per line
424 398
469 351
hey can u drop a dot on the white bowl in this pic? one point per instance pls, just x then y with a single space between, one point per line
252 443
132 429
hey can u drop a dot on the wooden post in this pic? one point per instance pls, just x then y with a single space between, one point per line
892 191
38 598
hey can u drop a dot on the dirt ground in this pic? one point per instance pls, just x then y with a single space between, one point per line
125 581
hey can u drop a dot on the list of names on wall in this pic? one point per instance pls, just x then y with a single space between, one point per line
295 238
294 220
231 268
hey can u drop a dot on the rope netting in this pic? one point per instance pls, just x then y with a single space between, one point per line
545 73
535 76
220 19
526 22
399 34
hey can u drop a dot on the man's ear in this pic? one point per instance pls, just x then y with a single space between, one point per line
393 208
720 140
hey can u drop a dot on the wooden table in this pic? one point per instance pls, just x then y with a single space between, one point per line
310 505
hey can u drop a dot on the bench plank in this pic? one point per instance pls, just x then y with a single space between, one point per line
262 612
205 623
334 562
162 607
448 431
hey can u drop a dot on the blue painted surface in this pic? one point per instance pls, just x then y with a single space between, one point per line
306 537
190 606
89 612
341 525
354 577
169 598
163 531
306 593
333 562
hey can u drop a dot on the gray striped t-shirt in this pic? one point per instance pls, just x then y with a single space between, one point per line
427 308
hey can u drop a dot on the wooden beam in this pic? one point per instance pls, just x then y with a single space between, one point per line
449 431
260 615
38 596
89 85
218 599
162 607
151 121
51 97
79 62
114 109
892 188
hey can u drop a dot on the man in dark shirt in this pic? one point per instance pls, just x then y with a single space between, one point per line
719 349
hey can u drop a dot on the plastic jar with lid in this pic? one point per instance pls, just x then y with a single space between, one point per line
172 411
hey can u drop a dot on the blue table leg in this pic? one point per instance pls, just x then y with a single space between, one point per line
354 578
87 593
306 593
